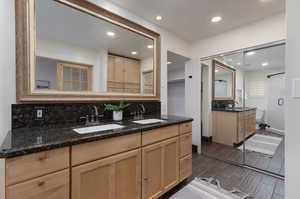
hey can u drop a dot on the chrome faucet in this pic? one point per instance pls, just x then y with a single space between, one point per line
94 117
139 112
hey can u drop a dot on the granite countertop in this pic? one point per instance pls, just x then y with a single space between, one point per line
25 141
236 109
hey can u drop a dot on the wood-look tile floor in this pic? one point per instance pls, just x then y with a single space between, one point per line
259 185
273 164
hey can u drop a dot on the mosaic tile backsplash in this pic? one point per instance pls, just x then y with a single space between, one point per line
24 115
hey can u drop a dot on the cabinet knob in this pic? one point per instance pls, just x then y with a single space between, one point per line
41 183
42 158
146 179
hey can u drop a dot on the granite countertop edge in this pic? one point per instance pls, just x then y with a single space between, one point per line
19 151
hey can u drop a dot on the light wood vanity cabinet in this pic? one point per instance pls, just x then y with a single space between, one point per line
38 175
233 127
52 186
160 171
136 166
116 177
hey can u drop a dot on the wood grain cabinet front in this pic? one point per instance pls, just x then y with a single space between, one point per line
19 169
116 177
185 167
114 168
160 170
52 186
185 145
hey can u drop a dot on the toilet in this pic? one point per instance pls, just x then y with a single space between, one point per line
260 116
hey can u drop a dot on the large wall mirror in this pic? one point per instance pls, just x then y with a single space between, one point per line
77 49
223 81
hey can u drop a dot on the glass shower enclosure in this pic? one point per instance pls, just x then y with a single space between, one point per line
248 128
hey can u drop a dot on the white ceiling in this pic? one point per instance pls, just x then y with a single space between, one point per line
190 19
60 23
274 56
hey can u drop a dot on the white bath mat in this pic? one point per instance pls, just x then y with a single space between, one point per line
206 189
262 144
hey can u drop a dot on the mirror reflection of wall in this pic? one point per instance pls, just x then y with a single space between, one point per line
224 81
86 53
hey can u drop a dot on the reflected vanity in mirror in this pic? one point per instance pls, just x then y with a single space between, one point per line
84 51
223 87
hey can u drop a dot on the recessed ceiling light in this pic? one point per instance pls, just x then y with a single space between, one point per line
265 64
216 19
169 62
150 46
110 33
158 17
216 71
250 53
239 64
134 53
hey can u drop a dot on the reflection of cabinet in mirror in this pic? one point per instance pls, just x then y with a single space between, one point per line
148 82
123 75
231 128
117 63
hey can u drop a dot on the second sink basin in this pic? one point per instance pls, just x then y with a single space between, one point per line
99 128
148 121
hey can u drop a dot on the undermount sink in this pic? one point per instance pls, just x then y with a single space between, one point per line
94 129
148 121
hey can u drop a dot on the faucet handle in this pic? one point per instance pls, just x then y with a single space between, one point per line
86 119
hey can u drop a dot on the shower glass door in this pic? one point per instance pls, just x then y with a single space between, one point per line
253 133
276 102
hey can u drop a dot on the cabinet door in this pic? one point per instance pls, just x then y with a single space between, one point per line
170 163
160 170
132 71
128 175
119 70
115 177
152 171
185 145
111 69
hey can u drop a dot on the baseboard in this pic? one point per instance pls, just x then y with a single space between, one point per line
207 139
195 148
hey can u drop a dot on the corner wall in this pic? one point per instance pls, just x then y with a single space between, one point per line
7 64
293 104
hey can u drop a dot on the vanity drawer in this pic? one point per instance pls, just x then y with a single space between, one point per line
53 186
156 135
26 167
185 167
99 149
185 145
186 128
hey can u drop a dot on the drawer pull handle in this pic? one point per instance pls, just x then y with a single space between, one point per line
146 179
42 158
41 183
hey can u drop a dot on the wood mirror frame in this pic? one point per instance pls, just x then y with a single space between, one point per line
228 68
26 55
